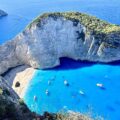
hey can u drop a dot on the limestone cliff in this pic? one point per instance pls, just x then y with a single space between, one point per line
2 13
55 35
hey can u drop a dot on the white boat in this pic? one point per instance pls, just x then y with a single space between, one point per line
66 83
81 92
99 85
49 82
35 98
47 92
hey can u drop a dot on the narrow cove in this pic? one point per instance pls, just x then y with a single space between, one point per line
77 86
82 78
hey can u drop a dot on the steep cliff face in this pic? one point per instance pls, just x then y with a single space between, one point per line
11 107
8 57
55 35
2 13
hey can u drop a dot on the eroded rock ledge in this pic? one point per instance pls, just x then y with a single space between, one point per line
2 13
54 35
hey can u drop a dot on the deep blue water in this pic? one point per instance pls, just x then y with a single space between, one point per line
81 76
21 12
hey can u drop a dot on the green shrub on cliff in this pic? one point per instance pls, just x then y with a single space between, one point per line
10 108
7 108
21 101
92 23
102 31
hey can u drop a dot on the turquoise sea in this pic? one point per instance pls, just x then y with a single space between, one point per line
81 76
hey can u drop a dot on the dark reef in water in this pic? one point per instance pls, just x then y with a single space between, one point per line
2 13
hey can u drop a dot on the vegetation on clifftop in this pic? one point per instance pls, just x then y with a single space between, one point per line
102 31
92 23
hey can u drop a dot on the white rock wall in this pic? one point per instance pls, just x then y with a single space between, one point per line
43 44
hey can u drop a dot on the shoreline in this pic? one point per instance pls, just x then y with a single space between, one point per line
21 75
24 78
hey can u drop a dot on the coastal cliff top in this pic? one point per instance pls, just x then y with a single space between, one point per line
91 22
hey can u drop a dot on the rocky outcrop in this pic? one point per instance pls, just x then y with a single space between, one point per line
2 13
55 35
11 107
8 57
70 115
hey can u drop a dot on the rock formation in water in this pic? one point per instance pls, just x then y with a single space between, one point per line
2 13
55 35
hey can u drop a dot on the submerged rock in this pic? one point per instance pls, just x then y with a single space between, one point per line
2 13
55 35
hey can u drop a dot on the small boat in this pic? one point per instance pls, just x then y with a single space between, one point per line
49 82
35 98
81 92
66 83
47 92
99 85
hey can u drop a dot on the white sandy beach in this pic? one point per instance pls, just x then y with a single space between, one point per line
23 75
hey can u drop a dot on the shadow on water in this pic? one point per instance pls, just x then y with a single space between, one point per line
115 63
68 64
